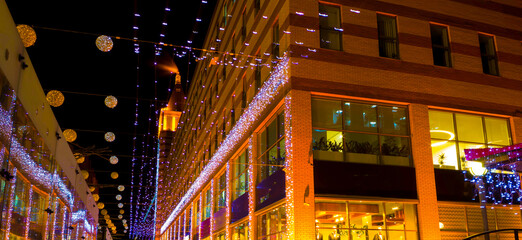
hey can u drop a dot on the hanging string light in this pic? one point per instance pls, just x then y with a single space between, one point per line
55 98
104 43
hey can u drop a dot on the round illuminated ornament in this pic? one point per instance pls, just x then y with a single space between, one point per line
111 101
104 212
113 160
70 135
27 34
124 231
85 174
79 158
101 206
120 216
124 221
122 212
121 188
55 98
96 197
120 205
110 137
114 175
92 188
118 197
107 218
104 43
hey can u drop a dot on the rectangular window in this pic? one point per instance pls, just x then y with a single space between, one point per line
488 53
388 37
257 6
440 45
275 41
257 77
243 25
272 225
330 27
360 132
451 133
240 232
365 220
220 185
271 148
240 176
207 207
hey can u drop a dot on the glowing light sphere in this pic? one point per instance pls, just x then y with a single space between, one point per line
114 175
124 221
27 34
120 216
101 206
120 205
121 188
92 188
124 231
113 160
122 212
104 212
55 98
85 174
96 197
107 218
69 135
118 197
104 43
110 137
111 101
79 157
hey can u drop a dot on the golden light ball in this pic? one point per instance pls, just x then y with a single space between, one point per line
104 212
96 197
85 174
120 205
79 158
122 211
120 216
69 135
111 101
55 98
107 218
113 160
104 43
118 197
121 188
114 175
101 206
110 137
27 34
92 188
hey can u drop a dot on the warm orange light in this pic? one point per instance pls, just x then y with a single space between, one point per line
168 120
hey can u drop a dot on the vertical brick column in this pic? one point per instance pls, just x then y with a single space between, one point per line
428 214
299 169
252 155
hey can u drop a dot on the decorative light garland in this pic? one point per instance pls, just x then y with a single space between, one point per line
289 170
270 89
10 206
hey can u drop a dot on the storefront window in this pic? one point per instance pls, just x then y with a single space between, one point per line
360 133
365 220
272 225
451 133
220 236
240 232
240 176
272 148
20 204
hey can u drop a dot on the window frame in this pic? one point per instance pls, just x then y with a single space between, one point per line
489 57
446 49
326 29
383 39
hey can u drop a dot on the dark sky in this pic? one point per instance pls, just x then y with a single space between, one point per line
71 63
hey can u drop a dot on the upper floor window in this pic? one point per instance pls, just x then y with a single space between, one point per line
221 193
271 148
240 176
488 53
388 37
330 27
440 45
275 41
272 225
240 232
451 133
360 132
243 25
257 6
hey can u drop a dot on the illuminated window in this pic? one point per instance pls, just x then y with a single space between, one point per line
388 37
240 176
360 132
488 53
240 232
330 27
221 192
365 220
20 205
451 133
220 236
207 205
271 148
440 45
272 225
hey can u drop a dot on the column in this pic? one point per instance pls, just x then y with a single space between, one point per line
252 149
427 210
299 166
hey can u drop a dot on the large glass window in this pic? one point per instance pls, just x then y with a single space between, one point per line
221 192
240 176
240 232
20 204
207 204
440 45
365 220
360 132
272 225
488 53
388 37
272 148
330 27
451 133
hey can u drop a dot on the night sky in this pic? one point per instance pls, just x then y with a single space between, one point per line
70 62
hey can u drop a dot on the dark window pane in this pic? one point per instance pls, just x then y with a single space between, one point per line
330 27
388 40
488 54
360 117
393 120
440 46
326 114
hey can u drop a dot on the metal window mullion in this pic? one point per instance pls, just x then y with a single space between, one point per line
457 146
